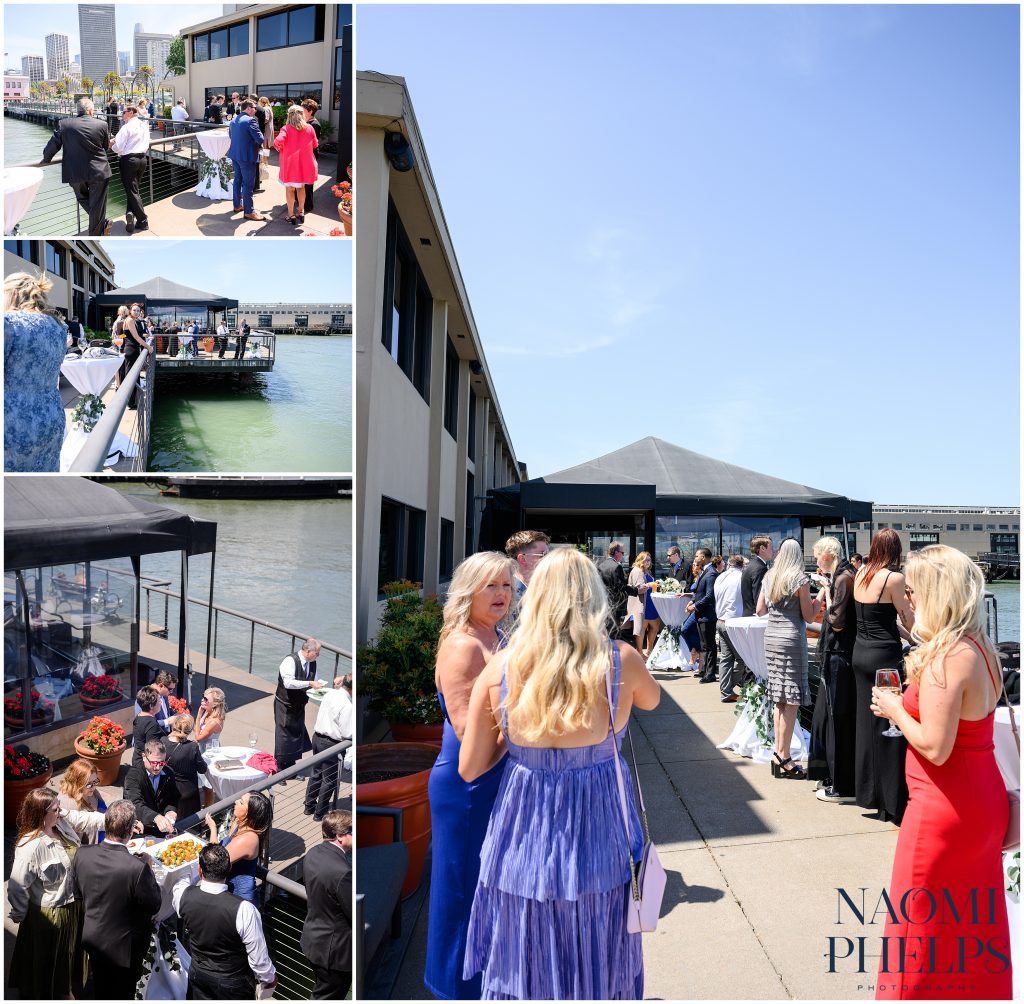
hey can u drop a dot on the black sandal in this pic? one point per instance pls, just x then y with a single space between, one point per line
793 772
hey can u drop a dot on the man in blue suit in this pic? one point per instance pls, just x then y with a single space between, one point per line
244 153
703 605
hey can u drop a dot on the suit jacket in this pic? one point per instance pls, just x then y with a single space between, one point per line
704 595
839 625
148 803
679 572
246 139
85 141
616 587
121 899
750 584
327 932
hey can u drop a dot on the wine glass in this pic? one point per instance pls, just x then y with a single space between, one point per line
253 739
889 679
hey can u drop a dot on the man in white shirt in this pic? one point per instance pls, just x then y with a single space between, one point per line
222 339
131 145
333 725
729 603
224 934
179 114
296 677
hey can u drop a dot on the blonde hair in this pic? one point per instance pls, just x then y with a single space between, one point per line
297 117
786 572
829 546
264 100
74 780
641 559
26 292
469 578
183 724
949 603
558 656
219 701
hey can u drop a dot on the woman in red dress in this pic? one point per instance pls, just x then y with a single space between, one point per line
947 935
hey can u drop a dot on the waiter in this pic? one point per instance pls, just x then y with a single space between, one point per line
296 677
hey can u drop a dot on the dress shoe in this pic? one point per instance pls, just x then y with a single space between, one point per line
709 679
730 700
258 217
129 222
307 812
144 225
256 191
237 209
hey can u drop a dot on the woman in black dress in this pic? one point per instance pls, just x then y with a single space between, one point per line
134 342
186 763
145 726
880 600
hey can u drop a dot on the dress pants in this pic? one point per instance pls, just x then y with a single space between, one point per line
111 982
707 631
132 167
730 666
323 781
222 344
207 987
330 984
240 346
242 185
92 197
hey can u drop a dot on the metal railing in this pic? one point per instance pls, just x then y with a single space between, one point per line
96 451
260 352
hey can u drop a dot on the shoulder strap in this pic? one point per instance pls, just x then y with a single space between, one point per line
1000 689
882 590
503 697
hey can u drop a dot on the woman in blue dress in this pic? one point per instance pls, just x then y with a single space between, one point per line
549 916
479 600
245 842
34 348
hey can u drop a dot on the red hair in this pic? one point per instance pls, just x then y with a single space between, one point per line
886 551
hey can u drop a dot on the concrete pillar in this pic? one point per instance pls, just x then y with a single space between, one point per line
461 462
432 536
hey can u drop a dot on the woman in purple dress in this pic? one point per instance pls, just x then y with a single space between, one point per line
549 915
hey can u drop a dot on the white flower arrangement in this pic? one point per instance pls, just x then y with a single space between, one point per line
669 586
87 412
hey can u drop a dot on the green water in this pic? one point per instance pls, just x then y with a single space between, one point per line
1007 596
297 418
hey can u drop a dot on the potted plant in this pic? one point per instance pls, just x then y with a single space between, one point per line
102 744
14 715
23 771
343 190
178 705
397 669
100 690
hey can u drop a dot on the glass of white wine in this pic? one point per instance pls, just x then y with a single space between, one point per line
889 679
253 739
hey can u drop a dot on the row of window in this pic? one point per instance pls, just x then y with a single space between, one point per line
55 263
950 527
232 40
281 30
280 93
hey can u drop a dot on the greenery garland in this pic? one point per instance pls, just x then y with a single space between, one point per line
166 934
87 412
221 169
753 699
1011 869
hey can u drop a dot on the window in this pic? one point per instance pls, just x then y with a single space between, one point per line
78 304
200 48
231 40
401 543
897 526
240 89
990 526
338 63
239 39
451 392
219 44
264 321
964 527
919 540
883 526
854 526
471 436
298 26
344 18
29 250
302 320
447 555
978 528
1004 526
92 282
55 263
295 92
78 272
470 503
1004 543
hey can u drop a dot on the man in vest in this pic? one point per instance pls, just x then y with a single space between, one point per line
223 933
296 677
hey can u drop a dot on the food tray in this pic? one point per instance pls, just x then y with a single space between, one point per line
162 846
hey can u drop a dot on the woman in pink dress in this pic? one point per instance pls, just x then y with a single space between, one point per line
295 144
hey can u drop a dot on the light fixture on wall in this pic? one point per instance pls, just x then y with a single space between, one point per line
399 152
475 368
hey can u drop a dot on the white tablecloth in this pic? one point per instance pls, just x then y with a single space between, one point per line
667 652
20 187
215 144
167 878
91 376
747 637
121 445
230 782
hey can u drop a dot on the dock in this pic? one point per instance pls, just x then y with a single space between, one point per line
245 487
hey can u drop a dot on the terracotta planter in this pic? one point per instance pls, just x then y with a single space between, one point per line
408 793
346 221
404 732
15 792
92 703
106 766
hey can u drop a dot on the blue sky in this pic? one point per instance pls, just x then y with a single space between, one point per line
319 271
785 237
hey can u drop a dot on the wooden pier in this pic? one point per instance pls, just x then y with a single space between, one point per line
998 567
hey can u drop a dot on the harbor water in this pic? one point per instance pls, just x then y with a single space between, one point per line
1007 597
296 418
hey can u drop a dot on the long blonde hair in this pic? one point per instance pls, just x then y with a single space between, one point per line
559 655
949 603
219 702
469 578
296 117
786 572
23 291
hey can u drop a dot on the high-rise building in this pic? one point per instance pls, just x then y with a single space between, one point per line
35 67
142 40
57 62
99 39
124 62
157 51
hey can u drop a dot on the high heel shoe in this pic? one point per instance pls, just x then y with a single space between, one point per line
792 772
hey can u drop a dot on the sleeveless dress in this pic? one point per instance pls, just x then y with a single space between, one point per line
951 839
879 778
549 916
242 878
785 647
459 812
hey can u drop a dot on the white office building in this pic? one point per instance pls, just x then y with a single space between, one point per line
34 67
157 51
142 52
57 60
98 36
16 86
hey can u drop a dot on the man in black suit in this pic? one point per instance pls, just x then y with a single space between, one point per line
618 589
309 109
120 898
762 551
85 141
327 933
676 570
151 788
703 605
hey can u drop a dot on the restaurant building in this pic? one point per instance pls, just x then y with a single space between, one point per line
79 270
431 439
165 303
284 318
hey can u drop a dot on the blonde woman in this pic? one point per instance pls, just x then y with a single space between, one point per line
786 599
268 122
636 606
480 600
186 762
295 144
555 865
209 725
951 836
81 802
34 347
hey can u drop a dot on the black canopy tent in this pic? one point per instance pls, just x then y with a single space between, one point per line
155 293
60 521
653 478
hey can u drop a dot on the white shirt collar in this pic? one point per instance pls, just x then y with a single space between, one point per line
213 887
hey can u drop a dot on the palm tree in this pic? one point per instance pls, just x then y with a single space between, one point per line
110 83
87 85
144 76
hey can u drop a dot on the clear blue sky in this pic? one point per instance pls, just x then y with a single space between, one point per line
315 270
786 237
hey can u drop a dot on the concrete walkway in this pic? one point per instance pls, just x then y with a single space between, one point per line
753 867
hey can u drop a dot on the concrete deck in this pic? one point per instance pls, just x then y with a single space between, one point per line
753 867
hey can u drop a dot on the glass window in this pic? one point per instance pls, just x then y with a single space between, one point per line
737 532
338 61
978 528
897 526
400 555
239 43
990 526
264 321
344 18
55 262
451 392
78 271
272 31
29 250
447 556
965 526
302 26
219 44
1004 543
200 48
302 320
951 526
471 436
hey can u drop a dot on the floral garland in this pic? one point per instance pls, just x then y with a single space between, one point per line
1011 869
87 412
21 764
220 168
752 701
166 935
102 736
100 688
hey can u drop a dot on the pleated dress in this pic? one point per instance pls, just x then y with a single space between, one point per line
549 916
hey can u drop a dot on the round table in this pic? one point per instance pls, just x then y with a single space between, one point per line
746 635
215 144
226 783
667 652
93 375
20 187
